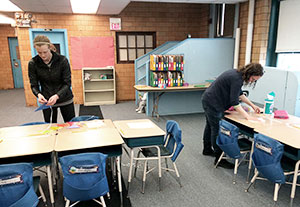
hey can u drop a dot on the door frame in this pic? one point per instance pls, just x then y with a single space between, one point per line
63 31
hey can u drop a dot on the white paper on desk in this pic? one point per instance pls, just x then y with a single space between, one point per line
94 123
259 120
140 125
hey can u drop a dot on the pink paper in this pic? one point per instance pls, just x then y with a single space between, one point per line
92 52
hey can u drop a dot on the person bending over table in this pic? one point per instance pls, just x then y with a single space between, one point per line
50 79
223 93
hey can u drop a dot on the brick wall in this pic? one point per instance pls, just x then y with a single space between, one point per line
171 22
6 76
260 31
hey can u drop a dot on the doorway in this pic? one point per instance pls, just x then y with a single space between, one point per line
15 62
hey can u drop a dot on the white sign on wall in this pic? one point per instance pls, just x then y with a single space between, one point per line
115 23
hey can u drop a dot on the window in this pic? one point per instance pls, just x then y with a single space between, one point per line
131 45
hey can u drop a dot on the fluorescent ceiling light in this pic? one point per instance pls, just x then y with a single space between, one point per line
85 6
7 6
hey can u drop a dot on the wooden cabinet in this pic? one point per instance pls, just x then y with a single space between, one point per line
99 86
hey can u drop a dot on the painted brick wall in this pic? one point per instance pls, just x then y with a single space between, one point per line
6 77
171 24
260 31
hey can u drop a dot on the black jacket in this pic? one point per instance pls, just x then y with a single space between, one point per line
52 80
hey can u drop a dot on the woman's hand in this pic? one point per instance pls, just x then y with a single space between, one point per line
52 100
256 109
42 99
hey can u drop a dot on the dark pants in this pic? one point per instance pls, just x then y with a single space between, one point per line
211 129
67 112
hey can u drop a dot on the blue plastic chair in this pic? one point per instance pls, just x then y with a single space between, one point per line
170 149
84 118
267 155
233 147
84 177
16 185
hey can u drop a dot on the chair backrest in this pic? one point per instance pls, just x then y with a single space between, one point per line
173 138
227 139
267 154
84 176
34 123
16 185
84 118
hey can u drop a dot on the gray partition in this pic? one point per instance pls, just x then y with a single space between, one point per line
285 85
204 58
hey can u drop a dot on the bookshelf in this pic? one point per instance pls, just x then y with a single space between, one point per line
99 86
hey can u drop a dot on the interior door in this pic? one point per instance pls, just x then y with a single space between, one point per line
15 62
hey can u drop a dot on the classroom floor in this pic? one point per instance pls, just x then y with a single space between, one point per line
203 185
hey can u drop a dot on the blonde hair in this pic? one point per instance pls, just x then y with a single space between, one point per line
40 40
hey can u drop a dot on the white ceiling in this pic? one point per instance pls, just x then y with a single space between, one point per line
112 7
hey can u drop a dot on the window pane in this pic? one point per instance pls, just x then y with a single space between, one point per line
148 50
123 54
140 52
140 41
122 41
149 41
131 41
132 55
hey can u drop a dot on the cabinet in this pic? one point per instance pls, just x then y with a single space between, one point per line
99 86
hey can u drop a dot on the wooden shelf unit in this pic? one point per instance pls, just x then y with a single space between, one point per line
99 91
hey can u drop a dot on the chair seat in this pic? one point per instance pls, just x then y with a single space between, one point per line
152 152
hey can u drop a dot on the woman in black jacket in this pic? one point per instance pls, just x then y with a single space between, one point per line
50 79
224 92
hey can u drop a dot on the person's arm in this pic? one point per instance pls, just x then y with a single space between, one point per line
247 101
34 83
66 78
241 111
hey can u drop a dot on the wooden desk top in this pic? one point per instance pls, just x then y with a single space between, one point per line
23 145
284 130
144 88
87 138
138 128
25 131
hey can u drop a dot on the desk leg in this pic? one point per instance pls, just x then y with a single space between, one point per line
155 104
118 162
130 169
293 191
50 185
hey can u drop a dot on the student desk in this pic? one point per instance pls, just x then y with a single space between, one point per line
286 131
158 92
139 133
24 144
90 137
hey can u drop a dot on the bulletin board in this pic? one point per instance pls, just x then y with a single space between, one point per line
92 52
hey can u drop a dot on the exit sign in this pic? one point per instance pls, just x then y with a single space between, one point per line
115 23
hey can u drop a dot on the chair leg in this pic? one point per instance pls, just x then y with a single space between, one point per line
42 194
219 160
250 163
276 190
236 163
177 173
293 191
136 163
50 185
166 160
102 201
252 181
159 171
144 176
67 203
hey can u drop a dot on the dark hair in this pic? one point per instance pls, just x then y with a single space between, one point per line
251 69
